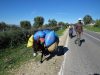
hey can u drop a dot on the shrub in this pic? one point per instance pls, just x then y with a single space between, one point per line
12 38
97 24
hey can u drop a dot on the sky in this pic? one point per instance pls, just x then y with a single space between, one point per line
68 11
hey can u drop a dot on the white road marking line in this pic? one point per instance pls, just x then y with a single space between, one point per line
92 36
62 66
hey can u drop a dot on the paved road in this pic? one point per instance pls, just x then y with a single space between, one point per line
84 60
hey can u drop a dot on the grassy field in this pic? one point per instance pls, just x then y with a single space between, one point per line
91 28
12 58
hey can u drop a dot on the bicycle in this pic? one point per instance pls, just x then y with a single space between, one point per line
78 40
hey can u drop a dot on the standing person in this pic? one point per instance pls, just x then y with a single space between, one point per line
79 31
70 31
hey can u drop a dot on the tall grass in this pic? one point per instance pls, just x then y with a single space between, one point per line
92 28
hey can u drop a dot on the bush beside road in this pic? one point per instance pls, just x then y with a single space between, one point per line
92 28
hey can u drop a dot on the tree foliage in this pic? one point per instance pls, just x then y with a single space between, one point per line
97 23
52 22
38 21
3 26
61 24
87 19
25 24
14 27
67 24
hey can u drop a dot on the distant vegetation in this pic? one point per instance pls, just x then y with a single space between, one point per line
25 24
97 23
87 19
91 28
12 35
90 24
38 21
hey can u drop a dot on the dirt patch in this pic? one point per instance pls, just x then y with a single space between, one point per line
50 67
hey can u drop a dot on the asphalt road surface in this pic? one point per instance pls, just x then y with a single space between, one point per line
84 59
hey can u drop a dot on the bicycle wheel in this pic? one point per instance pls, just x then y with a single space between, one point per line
79 43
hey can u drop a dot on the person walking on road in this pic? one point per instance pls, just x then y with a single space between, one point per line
79 31
70 31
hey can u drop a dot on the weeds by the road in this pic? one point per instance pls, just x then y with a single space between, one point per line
60 32
13 58
92 28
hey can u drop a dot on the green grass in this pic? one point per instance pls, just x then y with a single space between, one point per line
91 28
60 32
13 58
37 58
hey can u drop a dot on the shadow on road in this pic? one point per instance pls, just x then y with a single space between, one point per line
94 74
82 41
72 36
59 52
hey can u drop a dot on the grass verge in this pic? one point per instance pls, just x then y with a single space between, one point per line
60 32
13 58
91 28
